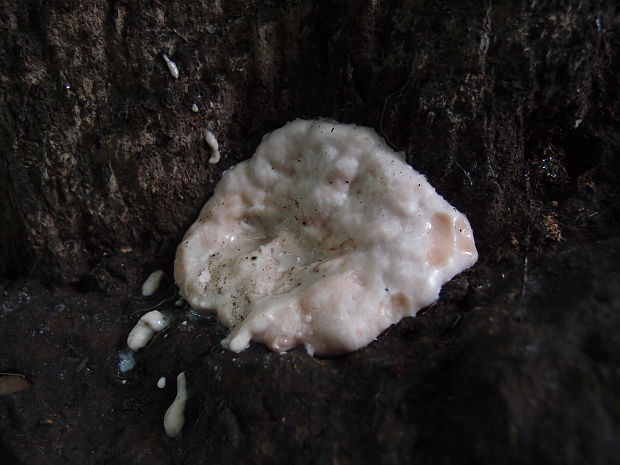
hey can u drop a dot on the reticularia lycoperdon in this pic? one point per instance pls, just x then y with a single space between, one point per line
324 238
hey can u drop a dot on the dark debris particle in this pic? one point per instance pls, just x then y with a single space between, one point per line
12 383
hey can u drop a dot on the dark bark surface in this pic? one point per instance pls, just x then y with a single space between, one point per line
511 110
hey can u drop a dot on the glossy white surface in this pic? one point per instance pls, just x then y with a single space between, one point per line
152 283
149 324
174 419
323 239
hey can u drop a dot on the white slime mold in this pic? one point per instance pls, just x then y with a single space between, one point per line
323 239
172 67
215 148
150 323
152 283
175 415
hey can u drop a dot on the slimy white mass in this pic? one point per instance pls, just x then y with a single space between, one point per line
323 239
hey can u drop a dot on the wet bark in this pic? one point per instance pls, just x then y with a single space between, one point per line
511 110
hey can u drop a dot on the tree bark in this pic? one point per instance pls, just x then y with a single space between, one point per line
510 109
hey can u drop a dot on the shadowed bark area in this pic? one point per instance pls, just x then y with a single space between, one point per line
509 108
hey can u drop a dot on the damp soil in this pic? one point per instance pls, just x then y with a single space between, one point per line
510 110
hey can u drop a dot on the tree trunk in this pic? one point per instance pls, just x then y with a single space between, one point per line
510 109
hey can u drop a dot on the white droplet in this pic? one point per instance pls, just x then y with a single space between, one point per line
175 415
212 142
152 283
172 67
149 324
126 361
